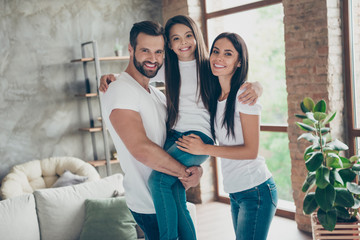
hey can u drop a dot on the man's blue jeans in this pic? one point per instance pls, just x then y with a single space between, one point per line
253 210
168 193
148 223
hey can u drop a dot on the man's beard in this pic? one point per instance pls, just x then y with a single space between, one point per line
147 73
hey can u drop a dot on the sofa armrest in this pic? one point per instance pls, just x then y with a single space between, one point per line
18 219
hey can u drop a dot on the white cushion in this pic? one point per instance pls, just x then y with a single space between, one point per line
68 178
61 211
38 174
18 218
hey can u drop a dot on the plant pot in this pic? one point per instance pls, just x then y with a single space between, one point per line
346 230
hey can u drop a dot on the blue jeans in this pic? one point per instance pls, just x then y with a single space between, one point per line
168 193
253 210
148 223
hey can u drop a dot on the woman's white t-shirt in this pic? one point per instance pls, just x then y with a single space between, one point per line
192 113
239 175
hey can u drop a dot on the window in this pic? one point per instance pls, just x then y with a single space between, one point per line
216 5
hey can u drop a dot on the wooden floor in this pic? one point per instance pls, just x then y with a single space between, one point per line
214 223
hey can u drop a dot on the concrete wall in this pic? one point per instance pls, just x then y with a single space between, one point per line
39 114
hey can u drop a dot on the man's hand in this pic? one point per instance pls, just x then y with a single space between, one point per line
105 80
252 92
194 179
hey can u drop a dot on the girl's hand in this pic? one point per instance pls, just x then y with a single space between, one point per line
105 80
252 92
192 144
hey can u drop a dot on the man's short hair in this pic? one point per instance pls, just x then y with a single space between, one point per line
148 27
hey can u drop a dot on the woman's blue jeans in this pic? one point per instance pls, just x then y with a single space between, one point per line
168 193
253 210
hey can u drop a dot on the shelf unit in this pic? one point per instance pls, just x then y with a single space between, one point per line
92 129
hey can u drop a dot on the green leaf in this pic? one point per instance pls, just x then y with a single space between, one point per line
333 160
325 198
342 212
356 167
327 219
320 116
307 153
308 136
316 146
336 177
308 122
323 141
347 175
337 145
309 204
305 127
346 162
308 104
353 187
314 162
344 198
322 177
309 181
320 106
310 116
324 130
300 116
329 118
354 158
328 137
357 204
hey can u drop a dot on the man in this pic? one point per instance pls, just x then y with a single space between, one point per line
135 115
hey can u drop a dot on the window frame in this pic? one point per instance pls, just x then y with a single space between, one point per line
352 131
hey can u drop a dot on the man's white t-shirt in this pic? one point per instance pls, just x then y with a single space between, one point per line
192 113
126 93
239 175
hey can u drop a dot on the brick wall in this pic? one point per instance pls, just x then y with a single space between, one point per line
314 68
174 7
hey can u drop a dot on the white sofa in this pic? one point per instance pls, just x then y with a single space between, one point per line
56 213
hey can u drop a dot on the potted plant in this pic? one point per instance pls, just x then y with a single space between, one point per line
118 48
330 174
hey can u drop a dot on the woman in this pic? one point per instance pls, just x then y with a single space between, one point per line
236 127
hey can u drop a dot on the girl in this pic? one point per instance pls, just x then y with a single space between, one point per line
252 190
188 93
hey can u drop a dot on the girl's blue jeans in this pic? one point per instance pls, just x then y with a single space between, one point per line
168 193
253 210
